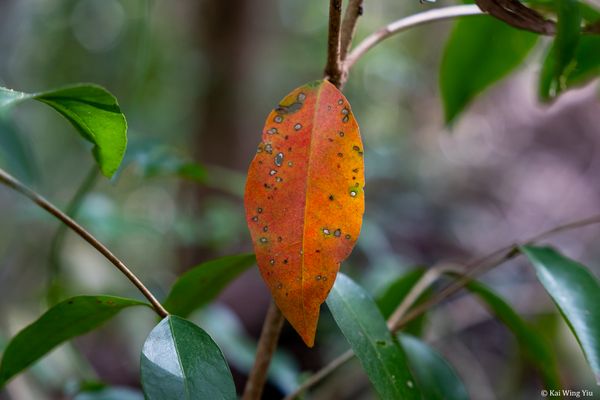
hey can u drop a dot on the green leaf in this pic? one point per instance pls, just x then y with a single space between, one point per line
560 58
586 62
533 345
66 320
395 292
181 362
435 376
377 349
481 50
93 111
198 286
576 292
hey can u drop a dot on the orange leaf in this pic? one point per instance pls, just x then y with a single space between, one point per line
304 199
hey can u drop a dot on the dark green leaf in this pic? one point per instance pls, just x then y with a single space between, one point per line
365 329
181 362
560 58
435 376
93 111
576 292
533 345
66 320
203 283
393 295
480 51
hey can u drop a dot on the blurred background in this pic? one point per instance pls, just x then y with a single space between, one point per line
196 78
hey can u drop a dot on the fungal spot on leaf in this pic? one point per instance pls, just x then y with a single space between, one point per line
265 228
278 159
263 240
337 233
269 148
341 134
301 96
255 218
259 149
345 119
355 170
326 231
340 155
272 131
341 101
331 197
278 179
272 172
285 261
345 111
259 210
272 261
348 237
290 164
279 286
353 193
279 239
355 148
324 278
292 108
286 137
318 277
278 119
330 139
297 127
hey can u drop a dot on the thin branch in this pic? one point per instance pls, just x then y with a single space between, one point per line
416 291
333 69
403 24
354 10
14 184
266 348
321 374
473 269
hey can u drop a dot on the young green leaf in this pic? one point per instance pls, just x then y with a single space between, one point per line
480 51
181 362
93 111
198 286
378 350
560 58
576 292
534 347
434 375
66 320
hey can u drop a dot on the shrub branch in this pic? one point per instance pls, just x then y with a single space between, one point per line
19 187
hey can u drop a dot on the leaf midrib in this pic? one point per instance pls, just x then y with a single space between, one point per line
308 175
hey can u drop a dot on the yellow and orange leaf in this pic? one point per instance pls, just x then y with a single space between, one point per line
304 199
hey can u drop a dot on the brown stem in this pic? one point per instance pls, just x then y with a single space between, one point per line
266 348
473 269
14 184
333 69
354 10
